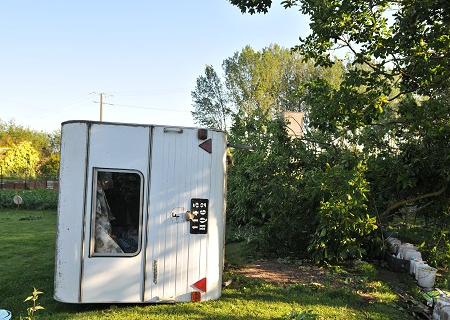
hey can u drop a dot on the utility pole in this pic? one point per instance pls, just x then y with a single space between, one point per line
101 106
102 95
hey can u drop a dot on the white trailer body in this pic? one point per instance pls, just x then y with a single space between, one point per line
141 213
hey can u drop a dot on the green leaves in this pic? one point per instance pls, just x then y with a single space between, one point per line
263 190
50 167
34 296
210 101
343 219
35 307
404 47
383 120
20 161
251 6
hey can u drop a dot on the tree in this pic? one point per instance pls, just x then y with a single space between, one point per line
391 108
256 83
264 197
265 188
11 133
20 161
266 82
54 141
210 101
50 167
403 43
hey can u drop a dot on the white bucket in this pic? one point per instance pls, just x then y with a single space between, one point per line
427 276
406 246
412 265
394 244
441 308
444 313
400 253
392 239
417 267
409 254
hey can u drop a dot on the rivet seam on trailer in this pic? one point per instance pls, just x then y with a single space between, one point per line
155 271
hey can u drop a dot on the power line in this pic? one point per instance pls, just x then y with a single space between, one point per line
146 108
162 91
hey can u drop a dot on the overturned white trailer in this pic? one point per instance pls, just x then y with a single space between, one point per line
141 213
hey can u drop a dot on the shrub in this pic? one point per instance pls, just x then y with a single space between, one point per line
38 199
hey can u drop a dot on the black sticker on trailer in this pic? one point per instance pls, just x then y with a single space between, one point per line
199 221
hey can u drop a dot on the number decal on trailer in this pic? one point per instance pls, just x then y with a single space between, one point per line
199 222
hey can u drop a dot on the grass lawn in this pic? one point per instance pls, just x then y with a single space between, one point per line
27 261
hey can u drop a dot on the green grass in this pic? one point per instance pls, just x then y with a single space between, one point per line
27 261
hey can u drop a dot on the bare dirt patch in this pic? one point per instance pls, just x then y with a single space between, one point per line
281 273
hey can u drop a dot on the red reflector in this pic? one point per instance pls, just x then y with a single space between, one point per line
202 134
196 296
200 285
207 145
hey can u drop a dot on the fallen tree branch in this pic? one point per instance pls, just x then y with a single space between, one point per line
403 202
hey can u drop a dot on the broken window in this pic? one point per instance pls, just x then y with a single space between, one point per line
117 212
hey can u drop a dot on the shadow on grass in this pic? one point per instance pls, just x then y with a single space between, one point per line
257 302
27 258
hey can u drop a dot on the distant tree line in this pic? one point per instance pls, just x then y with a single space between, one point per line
28 154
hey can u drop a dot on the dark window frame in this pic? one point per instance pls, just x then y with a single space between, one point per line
95 217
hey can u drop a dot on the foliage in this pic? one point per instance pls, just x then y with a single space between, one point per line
409 156
45 145
20 161
263 192
297 201
261 84
267 188
35 306
305 315
13 134
274 189
38 199
252 6
413 44
258 84
238 254
210 101
50 167
392 104
54 142
343 219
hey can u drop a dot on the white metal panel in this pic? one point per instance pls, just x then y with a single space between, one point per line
181 170
70 211
168 245
216 231
114 279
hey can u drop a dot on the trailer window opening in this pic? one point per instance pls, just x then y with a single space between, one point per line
117 213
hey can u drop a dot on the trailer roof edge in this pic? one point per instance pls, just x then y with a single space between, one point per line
88 122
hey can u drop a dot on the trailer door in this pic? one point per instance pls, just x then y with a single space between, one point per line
181 172
116 194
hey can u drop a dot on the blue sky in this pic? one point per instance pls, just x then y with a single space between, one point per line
144 55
